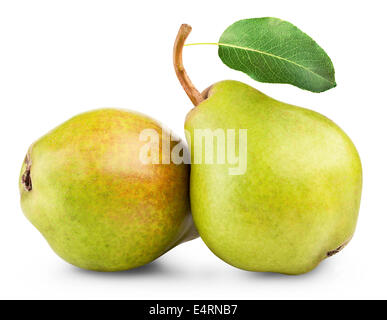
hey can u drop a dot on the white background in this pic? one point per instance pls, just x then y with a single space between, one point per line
60 58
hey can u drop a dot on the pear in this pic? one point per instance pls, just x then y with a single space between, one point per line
99 206
297 200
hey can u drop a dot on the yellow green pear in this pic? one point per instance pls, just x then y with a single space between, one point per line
85 187
293 197
298 200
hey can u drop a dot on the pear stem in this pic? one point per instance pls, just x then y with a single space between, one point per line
181 74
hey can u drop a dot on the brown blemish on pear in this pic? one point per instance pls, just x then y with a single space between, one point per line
26 177
338 249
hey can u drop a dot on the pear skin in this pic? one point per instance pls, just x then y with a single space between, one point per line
298 201
100 208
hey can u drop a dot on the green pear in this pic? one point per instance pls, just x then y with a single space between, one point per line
297 201
85 187
291 196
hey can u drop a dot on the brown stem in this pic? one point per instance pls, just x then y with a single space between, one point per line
185 81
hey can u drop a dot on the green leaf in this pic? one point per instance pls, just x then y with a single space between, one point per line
275 51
